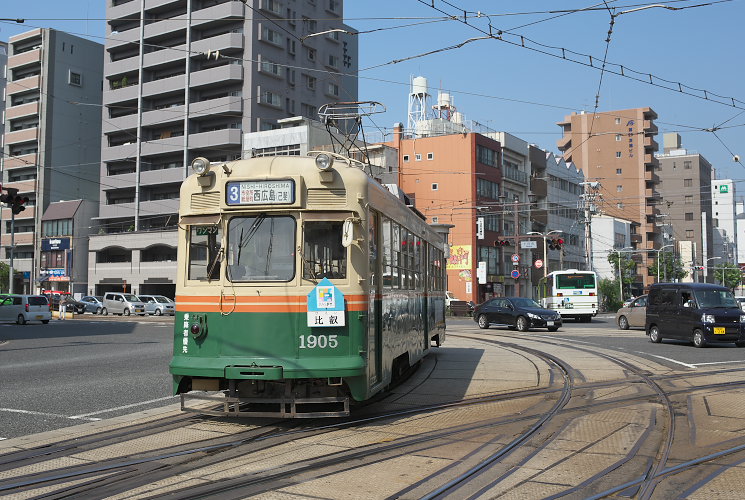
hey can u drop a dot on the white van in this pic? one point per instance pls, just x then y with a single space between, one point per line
24 308
449 297
122 303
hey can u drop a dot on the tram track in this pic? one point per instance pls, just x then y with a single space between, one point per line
144 475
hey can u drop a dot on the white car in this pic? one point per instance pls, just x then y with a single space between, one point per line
158 305
24 308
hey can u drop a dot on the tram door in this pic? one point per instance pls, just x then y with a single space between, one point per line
375 305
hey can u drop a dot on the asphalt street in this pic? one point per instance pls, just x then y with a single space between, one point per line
91 368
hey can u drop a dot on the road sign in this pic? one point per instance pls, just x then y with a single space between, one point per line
538 263
515 257
480 228
515 274
529 244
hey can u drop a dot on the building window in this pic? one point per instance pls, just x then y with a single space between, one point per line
75 79
309 81
333 61
618 154
689 215
619 205
619 171
618 121
418 157
486 156
406 157
270 68
689 234
619 188
619 137
435 186
310 53
271 36
689 199
687 165
291 46
430 156
271 99
435 220
687 183
332 90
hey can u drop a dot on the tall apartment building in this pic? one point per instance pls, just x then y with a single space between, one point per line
685 186
564 214
616 148
3 84
188 81
724 221
52 144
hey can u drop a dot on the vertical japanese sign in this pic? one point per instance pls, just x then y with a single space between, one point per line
325 305
480 228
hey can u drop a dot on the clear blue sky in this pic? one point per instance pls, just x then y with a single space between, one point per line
522 91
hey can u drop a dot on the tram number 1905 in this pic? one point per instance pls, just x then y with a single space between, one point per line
318 341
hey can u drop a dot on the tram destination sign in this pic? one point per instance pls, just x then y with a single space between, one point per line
279 192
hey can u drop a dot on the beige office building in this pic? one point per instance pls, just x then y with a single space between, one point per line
616 149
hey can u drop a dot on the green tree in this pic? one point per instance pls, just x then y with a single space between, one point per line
608 290
627 268
4 273
728 274
670 267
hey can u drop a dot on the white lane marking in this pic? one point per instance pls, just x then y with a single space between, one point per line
29 412
667 359
720 362
123 407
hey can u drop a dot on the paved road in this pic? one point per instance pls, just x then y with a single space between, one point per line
69 372
66 373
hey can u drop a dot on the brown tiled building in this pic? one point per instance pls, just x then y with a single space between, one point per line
616 148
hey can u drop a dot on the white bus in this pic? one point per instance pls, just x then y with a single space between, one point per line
573 293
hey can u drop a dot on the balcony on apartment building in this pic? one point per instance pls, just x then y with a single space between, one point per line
118 39
539 186
217 14
21 110
649 127
166 26
514 174
171 84
25 59
23 85
123 8
219 75
20 161
167 142
120 94
164 57
221 105
162 116
123 66
215 138
223 42
120 123
649 159
564 143
24 135
126 150
650 144
19 239
636 238
650 174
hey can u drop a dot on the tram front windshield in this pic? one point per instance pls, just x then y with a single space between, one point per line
261 248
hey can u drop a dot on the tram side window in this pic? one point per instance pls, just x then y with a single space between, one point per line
323 254
204 252
261 248
386 253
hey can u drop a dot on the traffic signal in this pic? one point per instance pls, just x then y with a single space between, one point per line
555 243
7 198
17 204
501 242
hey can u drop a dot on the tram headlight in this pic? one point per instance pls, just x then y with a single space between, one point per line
200 165
324 162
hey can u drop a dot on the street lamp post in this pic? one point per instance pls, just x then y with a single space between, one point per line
658 262
706 267
620 277
545 255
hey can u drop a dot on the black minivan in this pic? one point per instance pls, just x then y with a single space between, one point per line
701 313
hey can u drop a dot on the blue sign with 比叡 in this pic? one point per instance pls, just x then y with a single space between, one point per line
325 305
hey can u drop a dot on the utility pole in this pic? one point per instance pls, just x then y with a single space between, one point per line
588 205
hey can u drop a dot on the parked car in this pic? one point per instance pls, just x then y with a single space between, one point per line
700 313
516 312
158 305
93 304
25 308
122 303
632 314
741 301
